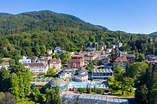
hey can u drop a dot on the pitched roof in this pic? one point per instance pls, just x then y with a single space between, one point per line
6 59
130 55
57 82
55 61
4 64
75 60
36 64
121 59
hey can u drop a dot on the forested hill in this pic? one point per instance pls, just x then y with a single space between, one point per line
154 33
31 33
4 14
44 20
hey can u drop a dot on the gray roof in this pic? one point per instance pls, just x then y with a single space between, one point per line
4 64
57 82
129 55
102 71
93 99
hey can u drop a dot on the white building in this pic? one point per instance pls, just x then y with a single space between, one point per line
58 50
81 75
49 51
109 50
37 68
113 46
25 60
56 63
67 73
119 44
4 64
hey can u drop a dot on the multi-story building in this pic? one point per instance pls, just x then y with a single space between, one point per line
81 75
67 73
102 73
56 63
91 46
122 61
37 68
58 50
76 61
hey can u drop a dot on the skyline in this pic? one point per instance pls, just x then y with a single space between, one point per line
132 16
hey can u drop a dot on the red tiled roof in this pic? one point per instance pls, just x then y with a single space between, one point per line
77 56
6 59
75 60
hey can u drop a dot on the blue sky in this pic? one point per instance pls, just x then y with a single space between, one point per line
134 16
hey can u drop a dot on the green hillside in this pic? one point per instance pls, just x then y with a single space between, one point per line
44 20
31 33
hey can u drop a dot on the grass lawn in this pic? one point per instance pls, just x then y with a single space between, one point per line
119 93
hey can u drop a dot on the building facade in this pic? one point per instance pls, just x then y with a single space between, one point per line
76 61
56 63
37 68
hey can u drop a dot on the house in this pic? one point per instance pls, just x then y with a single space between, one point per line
91 46
25 60
109 50
33 58
67 73
119 44
56 63
93 55
151 57
122 61
4 64
6 59
76 61
49 51
130 57
102 47
155 39
106 60
81 75
43 59
37 68
113 46
58 50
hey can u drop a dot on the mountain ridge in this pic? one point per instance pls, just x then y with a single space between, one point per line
4 14
44 20
153 33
